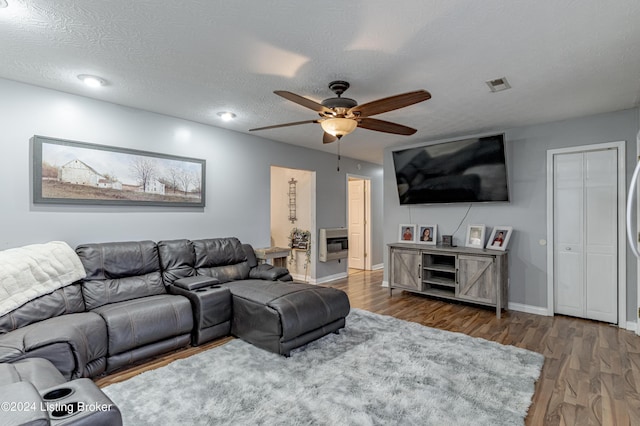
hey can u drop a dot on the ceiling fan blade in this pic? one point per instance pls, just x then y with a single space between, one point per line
284 125
301 100
385 126
328 138
391 103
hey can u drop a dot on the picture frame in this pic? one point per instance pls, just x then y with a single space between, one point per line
475 236
427 234
72 172
499 238
407 233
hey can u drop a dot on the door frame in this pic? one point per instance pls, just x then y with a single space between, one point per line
311 271
622 239
367 215
636 313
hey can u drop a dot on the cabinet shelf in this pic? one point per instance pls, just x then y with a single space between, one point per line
440 281
441 268
438 292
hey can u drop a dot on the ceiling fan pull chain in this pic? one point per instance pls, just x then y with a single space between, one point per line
339 154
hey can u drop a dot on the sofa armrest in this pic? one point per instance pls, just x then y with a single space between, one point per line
194 283
268 272
85 333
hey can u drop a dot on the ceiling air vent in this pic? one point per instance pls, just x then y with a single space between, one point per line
499 84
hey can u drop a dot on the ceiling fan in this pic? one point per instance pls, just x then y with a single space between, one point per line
340 116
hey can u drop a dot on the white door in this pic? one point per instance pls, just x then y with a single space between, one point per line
356 223
586 234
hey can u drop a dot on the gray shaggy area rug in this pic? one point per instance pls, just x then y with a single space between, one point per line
378 371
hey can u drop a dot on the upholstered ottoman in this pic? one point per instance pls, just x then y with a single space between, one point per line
279 316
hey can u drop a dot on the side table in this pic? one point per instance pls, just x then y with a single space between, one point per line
277 255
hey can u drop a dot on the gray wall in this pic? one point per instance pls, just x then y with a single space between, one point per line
237 187
527 149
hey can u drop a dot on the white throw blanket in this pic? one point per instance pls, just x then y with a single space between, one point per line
32 271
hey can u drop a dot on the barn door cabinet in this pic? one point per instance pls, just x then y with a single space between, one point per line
455 273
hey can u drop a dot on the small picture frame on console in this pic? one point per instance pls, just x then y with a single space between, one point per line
407 233
499 239
475 236
427 234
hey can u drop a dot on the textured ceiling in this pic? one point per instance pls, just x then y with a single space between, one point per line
563 58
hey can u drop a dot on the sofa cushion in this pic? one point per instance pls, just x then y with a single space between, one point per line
265 271
139 322
120 271
252 260
221 258
38 371
11 347
66 300
177 260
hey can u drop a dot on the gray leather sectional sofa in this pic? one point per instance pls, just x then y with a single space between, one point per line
141 299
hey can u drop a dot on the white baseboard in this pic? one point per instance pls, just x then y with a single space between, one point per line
378 266
330 278
631 326
520 307
301 277
385 283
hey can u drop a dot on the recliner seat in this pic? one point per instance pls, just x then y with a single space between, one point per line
124 286
56 327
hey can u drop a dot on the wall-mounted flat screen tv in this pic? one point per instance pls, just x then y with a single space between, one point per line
462 171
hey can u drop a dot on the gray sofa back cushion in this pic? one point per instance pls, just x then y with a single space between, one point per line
177 260
221 258
65 300
252 260
120 271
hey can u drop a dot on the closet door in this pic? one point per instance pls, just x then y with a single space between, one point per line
585 246
601 236
569 214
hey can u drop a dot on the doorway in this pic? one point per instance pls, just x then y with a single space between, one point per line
358 223
585 216
293 206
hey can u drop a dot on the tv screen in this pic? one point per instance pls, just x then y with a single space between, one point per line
463 171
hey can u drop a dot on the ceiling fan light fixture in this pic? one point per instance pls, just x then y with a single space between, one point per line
339 127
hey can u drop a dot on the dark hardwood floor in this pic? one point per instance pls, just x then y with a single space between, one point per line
591 374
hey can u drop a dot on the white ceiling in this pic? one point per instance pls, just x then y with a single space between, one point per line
192 59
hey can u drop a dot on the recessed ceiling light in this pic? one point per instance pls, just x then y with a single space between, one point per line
3 4
226 116
91 80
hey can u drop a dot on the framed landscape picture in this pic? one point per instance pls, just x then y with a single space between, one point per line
427 234
499 239
70 172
